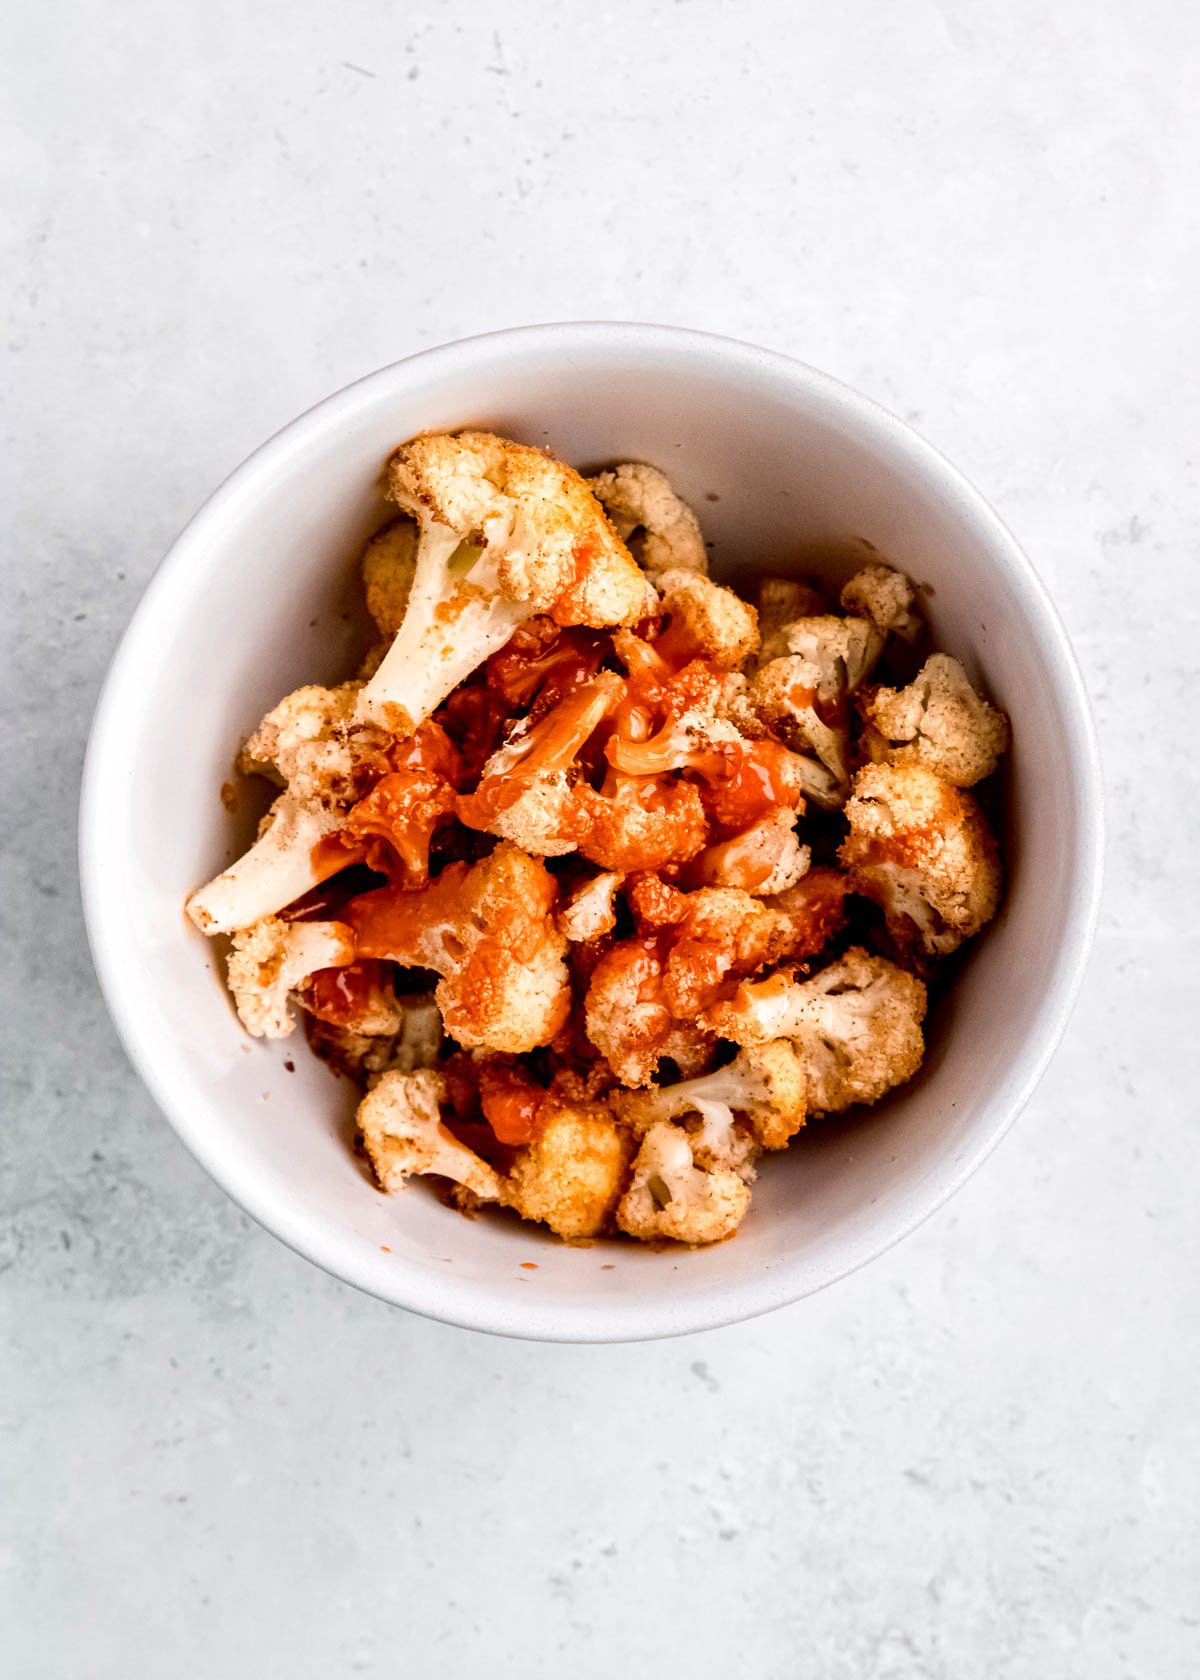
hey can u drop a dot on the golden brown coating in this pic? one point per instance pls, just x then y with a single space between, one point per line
571 1175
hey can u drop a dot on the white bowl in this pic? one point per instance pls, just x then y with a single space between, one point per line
258 595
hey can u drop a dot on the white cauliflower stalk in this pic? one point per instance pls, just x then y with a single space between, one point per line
856 1026
764 1086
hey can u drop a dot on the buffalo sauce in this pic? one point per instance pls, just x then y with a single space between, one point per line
393 922
346 996
512 1103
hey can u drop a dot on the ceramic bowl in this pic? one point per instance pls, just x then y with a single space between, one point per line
787 469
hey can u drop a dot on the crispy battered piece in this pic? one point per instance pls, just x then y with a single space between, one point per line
571 1174
764 1087
705 621
887 599
402 1131
271 960
505 532
591 910
389 564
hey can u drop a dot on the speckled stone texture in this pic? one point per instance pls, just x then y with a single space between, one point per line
978 1457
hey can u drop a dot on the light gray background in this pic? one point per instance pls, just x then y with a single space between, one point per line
978 1456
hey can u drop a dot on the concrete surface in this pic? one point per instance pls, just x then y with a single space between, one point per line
978 1456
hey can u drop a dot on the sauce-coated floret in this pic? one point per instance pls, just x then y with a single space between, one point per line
488 931
922 850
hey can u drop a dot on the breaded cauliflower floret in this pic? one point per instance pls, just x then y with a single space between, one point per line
856 1026
402 1130
311 743
272 959
705 621
570 1176
803 697
591 910
765 858
764 1086
529 791
922 850
670 1196
939 721
660 528
489 932
389 564
887 598
505 531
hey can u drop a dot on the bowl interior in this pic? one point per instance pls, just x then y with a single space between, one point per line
786 469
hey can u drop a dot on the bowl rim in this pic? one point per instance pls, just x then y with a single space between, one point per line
443 1298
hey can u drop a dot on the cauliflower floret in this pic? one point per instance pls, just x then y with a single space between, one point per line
312 744
781 601
856 1026
764 859
684 720
803 697
939 721
505 531
641 822
591 910
922 850
272 959
670 1196
571 1174
705 621
764 1086
629 1020
402 1130
887 598
389 564
660 528
529 792
488 931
